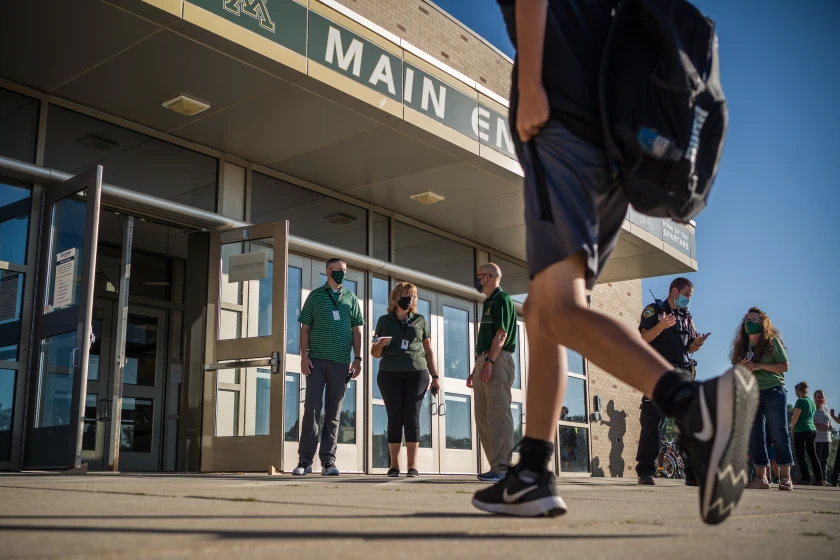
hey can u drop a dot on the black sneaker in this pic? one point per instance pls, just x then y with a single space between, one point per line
393 472
513 496
646 481
715 430
413 473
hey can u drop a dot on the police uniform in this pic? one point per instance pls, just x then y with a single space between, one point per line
672 343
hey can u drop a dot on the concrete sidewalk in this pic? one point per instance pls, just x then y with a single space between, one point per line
373 517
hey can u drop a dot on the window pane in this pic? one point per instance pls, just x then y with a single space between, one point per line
310 214
456 343
517 361
294 299
18 126
89 423
14 222
7 404
291 407
347 420
380 305
68 233
381 237
55 380
421 250
574 449
96 345
258 402
575 362
379 426
141 346
11 300
227 413
137 425
247 269
515 278
516 413
424 308
458 422
426 421
574 407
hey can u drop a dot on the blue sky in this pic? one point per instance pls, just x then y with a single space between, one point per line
770 235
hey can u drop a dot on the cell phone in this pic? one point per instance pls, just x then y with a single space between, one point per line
387 339
434 391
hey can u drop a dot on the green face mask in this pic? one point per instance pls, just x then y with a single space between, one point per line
752 328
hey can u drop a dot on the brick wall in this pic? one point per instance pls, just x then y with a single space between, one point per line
437 34
616 437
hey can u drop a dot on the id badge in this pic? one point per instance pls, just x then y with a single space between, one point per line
336 316
404 344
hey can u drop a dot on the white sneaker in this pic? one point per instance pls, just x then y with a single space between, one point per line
329 469
302 469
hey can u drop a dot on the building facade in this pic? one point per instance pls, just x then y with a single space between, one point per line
174 175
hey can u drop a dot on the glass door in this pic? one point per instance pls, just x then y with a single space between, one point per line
379 459
64 322
299 282
428 453
98 389
456 426
246 330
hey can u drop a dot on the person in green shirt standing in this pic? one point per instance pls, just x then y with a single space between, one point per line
805 436
758 347
495 369
330 328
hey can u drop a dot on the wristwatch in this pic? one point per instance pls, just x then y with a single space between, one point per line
488 359
357 358
435 376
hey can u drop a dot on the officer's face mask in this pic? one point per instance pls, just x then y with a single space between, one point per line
752 327
682 301
338 276
404 302
477 283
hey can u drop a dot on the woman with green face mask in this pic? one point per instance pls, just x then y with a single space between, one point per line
758 347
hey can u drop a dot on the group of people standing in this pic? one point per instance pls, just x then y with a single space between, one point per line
758 347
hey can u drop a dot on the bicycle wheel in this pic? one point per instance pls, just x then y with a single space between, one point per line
670 469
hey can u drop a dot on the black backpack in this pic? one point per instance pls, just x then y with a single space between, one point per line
662 106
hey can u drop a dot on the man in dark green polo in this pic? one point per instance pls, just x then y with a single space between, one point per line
330 327
495 369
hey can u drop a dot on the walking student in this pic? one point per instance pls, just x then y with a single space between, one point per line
404 344
330 329
822 421
574 214
758 347
492 378
804 437
669 329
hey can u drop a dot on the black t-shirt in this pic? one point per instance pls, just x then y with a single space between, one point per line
575 37
673 342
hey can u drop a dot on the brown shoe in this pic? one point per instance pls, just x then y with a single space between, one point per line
786 484
758 484
820 483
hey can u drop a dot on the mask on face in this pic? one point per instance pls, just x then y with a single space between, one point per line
404 302
752 328
682 302
478 285
338 276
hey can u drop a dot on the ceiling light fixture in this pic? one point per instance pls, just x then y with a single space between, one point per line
184 105
96 144
342 219
427 197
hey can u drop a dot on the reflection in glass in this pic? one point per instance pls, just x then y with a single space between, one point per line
150 274
261 385
379 426
265 302
67 251
575 362
141 337
96 346
7 402
422 250
380 307
255 296
574 406
11 301
574 449
516 413
517 364
136 425
291 407
515 277
89 424
294 300
456 343
458 422
426 421
381 238
55 382
227 413
14 223
347 420
424 308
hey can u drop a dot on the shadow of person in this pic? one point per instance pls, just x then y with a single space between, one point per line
596 467
617 423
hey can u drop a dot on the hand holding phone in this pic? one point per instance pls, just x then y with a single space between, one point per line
383 340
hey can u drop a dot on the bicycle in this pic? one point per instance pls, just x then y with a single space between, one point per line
673 465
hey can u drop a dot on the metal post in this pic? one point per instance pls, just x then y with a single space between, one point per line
114 430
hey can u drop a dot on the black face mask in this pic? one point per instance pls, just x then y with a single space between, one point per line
404 302
478 285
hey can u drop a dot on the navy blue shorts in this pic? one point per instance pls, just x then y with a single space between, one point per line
575 208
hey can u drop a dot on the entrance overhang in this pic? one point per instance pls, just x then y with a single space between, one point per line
310 89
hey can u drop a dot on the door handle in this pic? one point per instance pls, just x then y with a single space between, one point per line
434 408
442 410
102 411
302 394
522 416
75 357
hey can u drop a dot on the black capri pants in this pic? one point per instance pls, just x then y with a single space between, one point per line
403 393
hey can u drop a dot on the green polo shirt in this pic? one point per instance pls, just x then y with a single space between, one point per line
331 339
415 330
769 379
498 313
805 422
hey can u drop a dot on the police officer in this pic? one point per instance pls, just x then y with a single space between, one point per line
668 327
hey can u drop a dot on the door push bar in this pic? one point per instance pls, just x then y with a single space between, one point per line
273 362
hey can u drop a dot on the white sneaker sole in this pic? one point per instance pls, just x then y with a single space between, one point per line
550 506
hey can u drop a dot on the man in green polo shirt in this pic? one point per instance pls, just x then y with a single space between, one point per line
330 327
495 369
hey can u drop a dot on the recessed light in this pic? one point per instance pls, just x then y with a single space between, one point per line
427 197
342 219
184 105
96 144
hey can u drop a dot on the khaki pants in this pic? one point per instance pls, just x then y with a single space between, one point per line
492 411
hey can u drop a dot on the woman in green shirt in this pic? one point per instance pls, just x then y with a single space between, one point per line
758 347
404 345
804 436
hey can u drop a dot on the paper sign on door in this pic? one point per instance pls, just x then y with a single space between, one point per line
8 295
65 276
250 266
